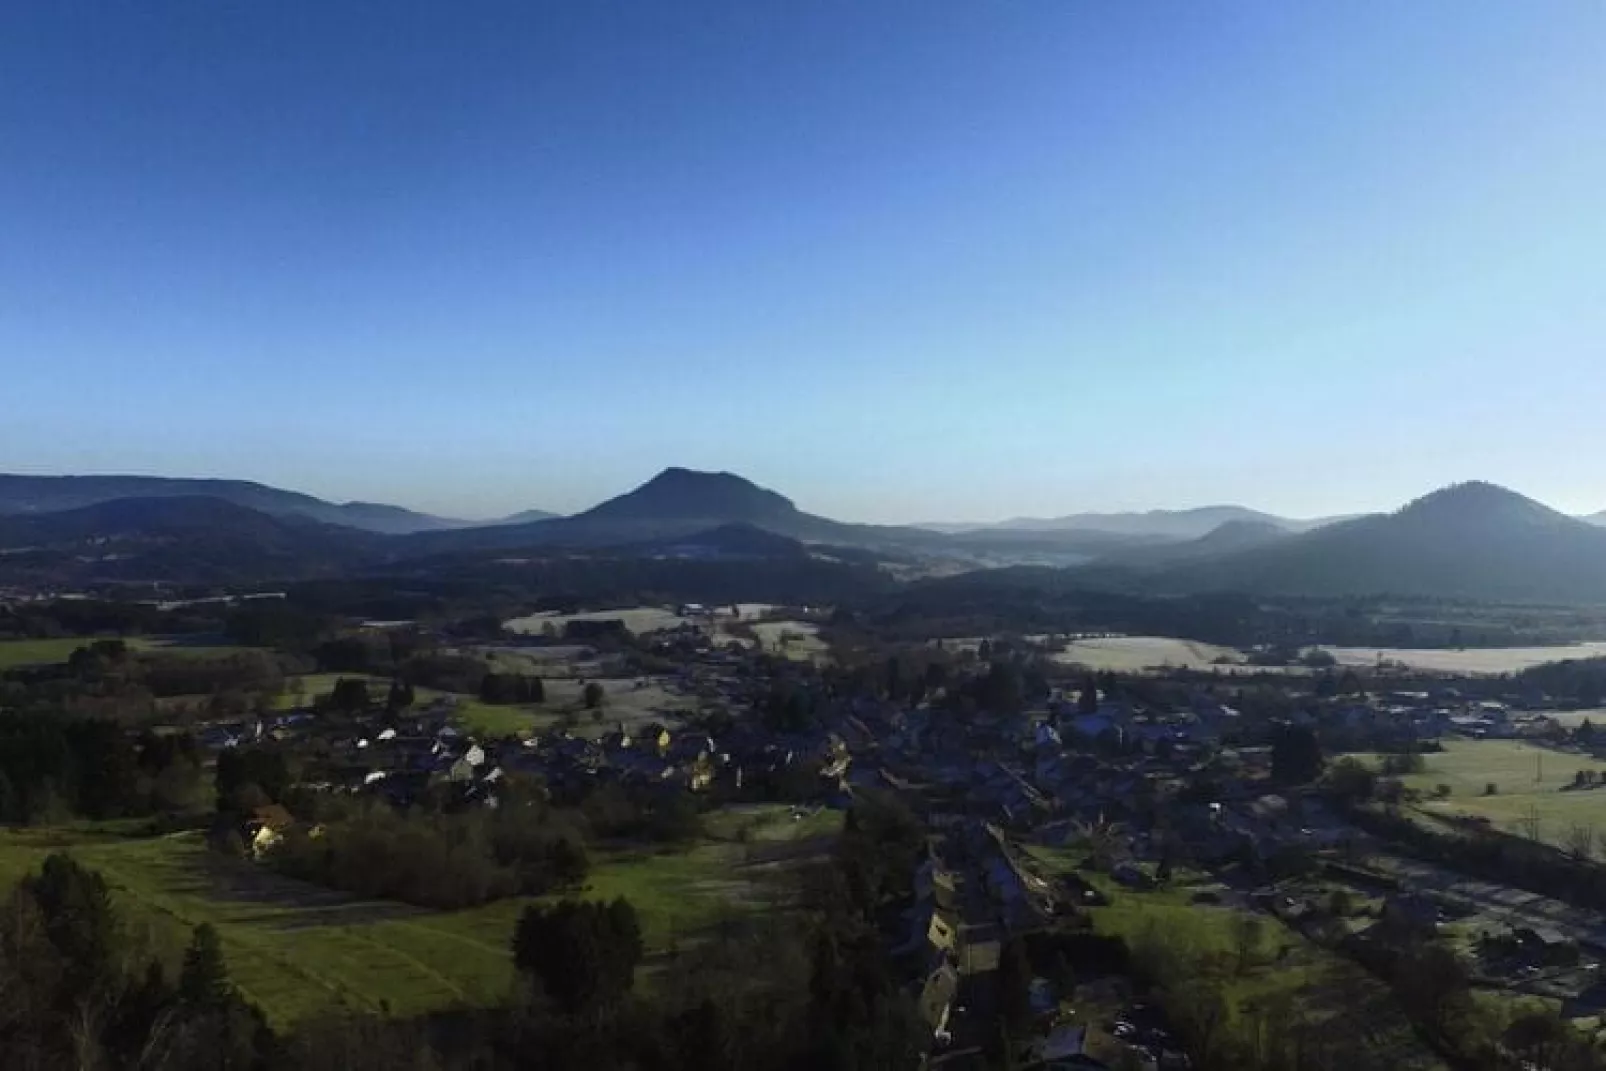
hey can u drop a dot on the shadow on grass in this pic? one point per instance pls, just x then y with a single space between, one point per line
250 893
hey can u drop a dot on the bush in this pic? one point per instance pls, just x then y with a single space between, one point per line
439 861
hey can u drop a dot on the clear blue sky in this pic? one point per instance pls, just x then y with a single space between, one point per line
908 259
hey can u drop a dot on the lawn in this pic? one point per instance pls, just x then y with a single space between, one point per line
493 720
15 653
772 823
1528 779
296 949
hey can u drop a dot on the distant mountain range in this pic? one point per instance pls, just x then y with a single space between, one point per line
53 494
1158 523
1471 541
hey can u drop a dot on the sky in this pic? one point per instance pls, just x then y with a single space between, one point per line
904 260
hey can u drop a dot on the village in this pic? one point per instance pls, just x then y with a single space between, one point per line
1039 813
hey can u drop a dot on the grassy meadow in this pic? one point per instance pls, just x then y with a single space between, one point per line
296 949
1529 780
14 653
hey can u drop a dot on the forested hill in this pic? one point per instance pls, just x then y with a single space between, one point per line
28 495
1471 541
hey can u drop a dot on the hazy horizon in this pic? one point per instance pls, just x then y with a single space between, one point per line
937 261
1048 512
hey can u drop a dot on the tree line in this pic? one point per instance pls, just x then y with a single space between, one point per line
54 770
441 861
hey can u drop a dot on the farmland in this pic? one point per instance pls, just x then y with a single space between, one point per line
296 949
1529 783
1131 654
637 619
14 653
1471 661
1136 654
799 640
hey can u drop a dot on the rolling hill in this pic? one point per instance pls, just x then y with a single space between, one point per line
1228 538
191 539
677 502
1164 523
1471 541
54 494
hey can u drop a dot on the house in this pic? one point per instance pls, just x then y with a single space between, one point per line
931 928
937 998
700 773
266 827
655 736
1545 946
979 956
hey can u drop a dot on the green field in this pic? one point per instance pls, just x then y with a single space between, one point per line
49 652
15 653
296 949
623 702
1528 780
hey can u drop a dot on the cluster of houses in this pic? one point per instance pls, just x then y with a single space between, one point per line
981 780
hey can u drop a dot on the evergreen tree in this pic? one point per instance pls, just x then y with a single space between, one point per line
1296 755
401 695
350 695
204 979
583 954
1014 982
1087 701
79 920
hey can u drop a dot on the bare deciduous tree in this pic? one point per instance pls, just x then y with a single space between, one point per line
1580 841
1530 824
1247 932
